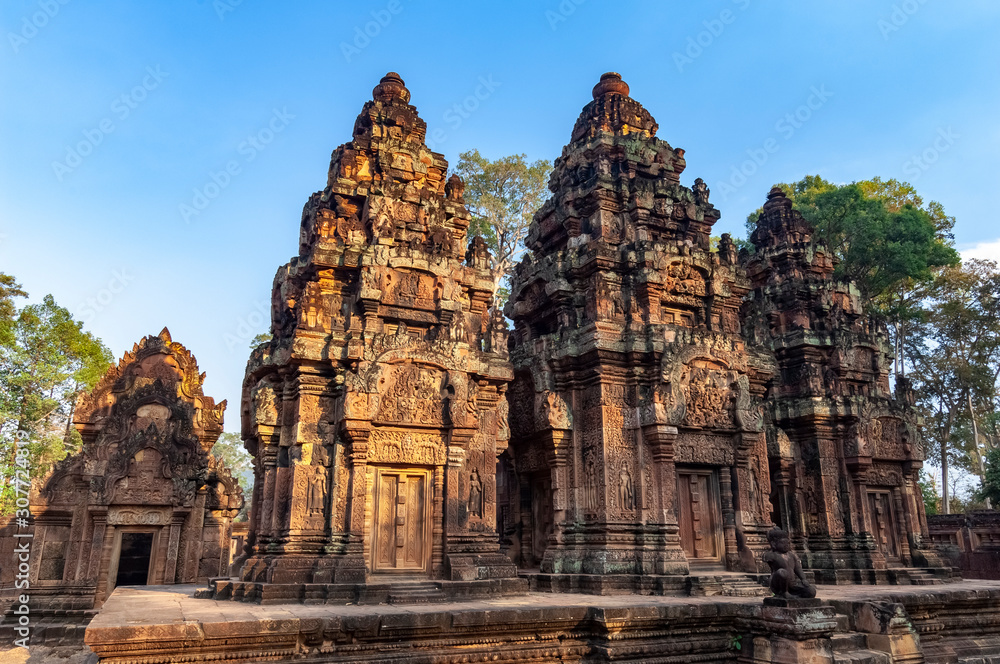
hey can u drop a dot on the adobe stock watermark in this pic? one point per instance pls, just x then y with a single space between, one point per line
714 28
463 110
565 9
30 25
247 327
785 128
363 35
122 107
898 17
223 7
90 307
248 149
919 164
21 564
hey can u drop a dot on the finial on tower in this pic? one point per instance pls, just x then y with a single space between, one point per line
391 87
611 84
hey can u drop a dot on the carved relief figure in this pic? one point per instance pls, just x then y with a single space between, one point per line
626 490
475 494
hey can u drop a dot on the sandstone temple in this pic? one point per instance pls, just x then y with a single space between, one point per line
660 404
143 503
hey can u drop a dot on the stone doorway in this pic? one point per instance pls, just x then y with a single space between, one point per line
699 516
884 528
402 535
134 558
541 516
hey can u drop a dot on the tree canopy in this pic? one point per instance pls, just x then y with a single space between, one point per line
229 447
502 195
880 231
46 360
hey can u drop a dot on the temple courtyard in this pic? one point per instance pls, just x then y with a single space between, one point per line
848 623
679 453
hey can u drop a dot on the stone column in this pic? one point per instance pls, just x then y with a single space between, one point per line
357 433
732 557
558 456
902 514
437 527
99 515
457 567
661 438
173 547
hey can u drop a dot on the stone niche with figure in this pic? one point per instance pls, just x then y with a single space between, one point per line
376 412
637 447
143 502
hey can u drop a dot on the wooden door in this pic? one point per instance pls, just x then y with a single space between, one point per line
883 519
402 533
699 515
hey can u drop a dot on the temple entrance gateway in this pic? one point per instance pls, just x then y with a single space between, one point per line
133 559
402 538
699 515
884 524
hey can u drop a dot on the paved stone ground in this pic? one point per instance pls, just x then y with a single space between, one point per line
163 605
158 605
42 655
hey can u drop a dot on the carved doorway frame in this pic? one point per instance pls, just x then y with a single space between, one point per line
155 554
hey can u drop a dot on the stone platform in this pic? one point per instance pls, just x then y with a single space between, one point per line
396 591
958 622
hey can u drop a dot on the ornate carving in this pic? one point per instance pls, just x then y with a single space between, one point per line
884 475
412 395
406 447
709 398
118 516
554 412
704 449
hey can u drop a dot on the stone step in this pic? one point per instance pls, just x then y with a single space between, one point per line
919 577
728 585
847 642
418 593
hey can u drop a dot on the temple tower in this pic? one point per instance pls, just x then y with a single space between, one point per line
375 414
845 452
636 424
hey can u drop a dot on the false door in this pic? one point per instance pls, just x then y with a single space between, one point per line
884 524
699 515
402 533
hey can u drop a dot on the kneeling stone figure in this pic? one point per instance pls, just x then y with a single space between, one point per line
787 579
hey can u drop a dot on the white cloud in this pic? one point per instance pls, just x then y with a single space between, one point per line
989 250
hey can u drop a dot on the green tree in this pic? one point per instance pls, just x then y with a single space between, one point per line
9 289
502 196
929 493
229 448
887 241
989 490
46 361
956 365
261 338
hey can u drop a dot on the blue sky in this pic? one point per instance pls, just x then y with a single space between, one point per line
115 115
